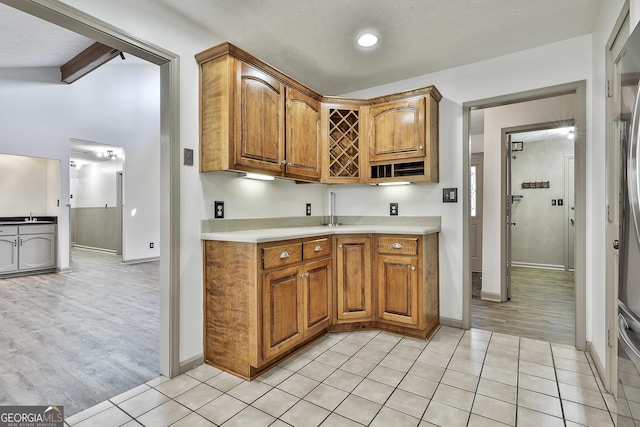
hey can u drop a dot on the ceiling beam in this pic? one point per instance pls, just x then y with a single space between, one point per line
87 61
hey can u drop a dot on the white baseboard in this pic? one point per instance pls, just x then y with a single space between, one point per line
490 296
191 363
141 260
454 323
533 265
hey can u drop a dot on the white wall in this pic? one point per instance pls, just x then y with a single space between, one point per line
29 185
116 105
557 63
95 185
540 233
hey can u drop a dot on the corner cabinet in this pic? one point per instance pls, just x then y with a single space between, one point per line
254 118
263 301
344 139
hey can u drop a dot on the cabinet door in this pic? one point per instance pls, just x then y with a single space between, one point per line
317 296
282 314
397 129
343 135
303 135
36 251
398 289
8 253
259 120
353 279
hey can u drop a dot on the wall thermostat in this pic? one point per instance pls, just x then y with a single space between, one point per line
449 195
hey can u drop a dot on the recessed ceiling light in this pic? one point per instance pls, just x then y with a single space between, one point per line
367 40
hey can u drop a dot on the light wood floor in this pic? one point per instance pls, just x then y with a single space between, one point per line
79 338
542 306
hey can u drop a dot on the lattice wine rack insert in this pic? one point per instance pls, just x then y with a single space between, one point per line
344 150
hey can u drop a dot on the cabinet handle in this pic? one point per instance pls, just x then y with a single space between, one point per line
284 255
396 246
20 242
15 242
290 163
318 248
284 162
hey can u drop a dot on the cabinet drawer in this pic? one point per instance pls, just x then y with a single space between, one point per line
318 248
37 229
277 256
9 230
398 245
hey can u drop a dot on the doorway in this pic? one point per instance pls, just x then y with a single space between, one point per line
95 192
74 20
509 113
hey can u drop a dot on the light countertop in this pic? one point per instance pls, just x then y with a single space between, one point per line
283 233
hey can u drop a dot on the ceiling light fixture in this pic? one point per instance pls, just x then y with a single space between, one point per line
367 40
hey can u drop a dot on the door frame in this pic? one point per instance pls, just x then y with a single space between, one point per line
505 289
619 35
578 88
79 22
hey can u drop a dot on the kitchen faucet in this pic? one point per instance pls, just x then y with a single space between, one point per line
332 215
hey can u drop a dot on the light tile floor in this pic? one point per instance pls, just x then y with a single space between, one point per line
457 378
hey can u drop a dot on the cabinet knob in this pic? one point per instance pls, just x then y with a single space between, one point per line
421 147
396 246
318 248
284 255
303 275
413 268
284 162
339 246
290 163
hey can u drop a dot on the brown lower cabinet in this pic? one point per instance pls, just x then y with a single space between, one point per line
264 301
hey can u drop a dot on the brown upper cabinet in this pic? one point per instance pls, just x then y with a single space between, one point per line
403 136
254 118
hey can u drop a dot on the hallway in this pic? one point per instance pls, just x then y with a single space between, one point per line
542 306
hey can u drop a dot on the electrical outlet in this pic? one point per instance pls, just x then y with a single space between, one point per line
308 209
188 157
393 209
218 208
151 245
560 202
553 202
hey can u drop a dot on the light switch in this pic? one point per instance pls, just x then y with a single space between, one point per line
449 195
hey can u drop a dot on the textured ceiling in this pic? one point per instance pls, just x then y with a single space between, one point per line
314 41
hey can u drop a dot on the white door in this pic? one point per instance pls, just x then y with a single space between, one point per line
475 229
570 211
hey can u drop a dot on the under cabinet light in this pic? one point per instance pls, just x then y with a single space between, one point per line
394 183
258 176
